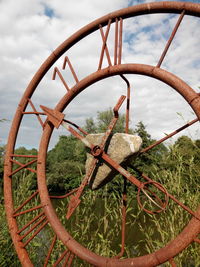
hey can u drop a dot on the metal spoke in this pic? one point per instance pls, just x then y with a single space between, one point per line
25 202
31 222
170 39
36 113
66 252
124 193
168 136
50 250
66 195
23 166
26 211
36 233
33 227
75 200
118 41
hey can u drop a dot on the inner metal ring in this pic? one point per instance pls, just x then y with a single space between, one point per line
190 231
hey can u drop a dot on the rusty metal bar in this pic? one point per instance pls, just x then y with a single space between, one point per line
33 227
113 121
161 206
169 135
23 156
35 233
123 223
104 46
124 205
37 113
118 105
172 262
120 41
66 195
174 199
170 39
66 260
70 260
154 202
31 222
66 60
76 126
61 257
26 201
128 102
121 170
56 70
22 166
50 250
33 112
110 127
76 134
28 210
162 189
75 200
124 193
116 41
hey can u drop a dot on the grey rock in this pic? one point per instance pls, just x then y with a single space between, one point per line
121 148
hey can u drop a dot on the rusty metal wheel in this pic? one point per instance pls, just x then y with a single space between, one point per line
36 216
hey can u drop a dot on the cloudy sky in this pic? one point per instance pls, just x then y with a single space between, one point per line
31 30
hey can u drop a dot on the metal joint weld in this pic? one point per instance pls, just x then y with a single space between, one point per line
196 97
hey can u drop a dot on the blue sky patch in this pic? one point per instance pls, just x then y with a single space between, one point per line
49 12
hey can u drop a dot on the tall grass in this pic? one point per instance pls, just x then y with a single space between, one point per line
96 223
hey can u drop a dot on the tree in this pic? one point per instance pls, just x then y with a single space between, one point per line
105 117
153 159
65 164
142 132
189 155
90 126
65 176
67 148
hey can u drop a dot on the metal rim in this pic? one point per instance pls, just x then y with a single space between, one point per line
193 228
164 7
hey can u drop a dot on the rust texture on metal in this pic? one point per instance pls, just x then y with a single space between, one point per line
47 213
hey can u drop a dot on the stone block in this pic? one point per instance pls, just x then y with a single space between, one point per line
121 148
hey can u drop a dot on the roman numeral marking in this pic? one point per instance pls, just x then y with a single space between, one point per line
57 72
35 112
117 43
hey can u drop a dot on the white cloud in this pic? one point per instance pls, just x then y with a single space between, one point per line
29 34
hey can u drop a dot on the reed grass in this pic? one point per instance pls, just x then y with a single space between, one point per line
96 224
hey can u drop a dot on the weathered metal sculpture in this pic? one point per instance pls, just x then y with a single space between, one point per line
23 235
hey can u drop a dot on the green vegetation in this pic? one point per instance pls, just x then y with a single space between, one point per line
97 221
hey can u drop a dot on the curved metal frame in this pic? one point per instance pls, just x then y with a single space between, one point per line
193 228
163 7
